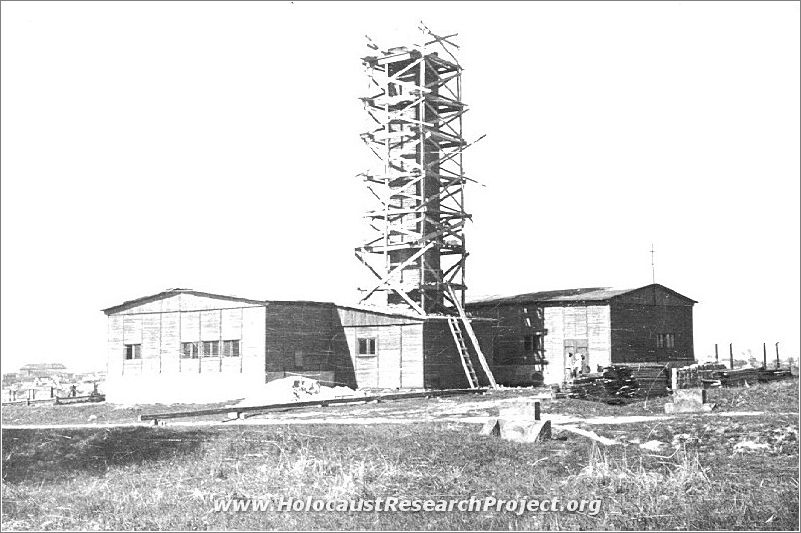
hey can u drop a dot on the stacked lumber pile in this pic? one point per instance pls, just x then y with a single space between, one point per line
730 378
772 375
653 378
620 383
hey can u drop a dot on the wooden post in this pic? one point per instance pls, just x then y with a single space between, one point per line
537 410
731 357
716 353
674 379
764 356
777 356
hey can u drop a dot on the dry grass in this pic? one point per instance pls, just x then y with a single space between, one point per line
162 478
168 478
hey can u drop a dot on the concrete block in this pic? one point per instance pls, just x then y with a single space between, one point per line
688 401
519 422
521 410
492 427
525 431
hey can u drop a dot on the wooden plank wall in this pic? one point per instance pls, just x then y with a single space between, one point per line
554 345
161 326
114 350
309 333
398 362
590 323
170 342
510 329
599 336
443 364
635 328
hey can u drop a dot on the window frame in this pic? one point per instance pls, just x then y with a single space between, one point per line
231 343
369 342
213 345
195 351
135 352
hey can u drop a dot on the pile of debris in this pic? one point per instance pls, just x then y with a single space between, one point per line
295 389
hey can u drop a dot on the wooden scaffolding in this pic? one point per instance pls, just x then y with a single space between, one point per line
416 248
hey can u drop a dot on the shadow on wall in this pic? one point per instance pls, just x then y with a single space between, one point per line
343 364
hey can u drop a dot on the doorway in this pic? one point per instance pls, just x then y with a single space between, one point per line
576 362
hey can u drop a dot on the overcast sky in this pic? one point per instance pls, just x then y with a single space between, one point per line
214 146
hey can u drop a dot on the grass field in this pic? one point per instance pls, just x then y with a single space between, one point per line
168 478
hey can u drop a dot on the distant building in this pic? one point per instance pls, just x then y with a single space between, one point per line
186 345
566 333
10 378
43 369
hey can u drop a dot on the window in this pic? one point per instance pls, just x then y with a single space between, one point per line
231 348
532 343
367 346
189 350
211 349
666 340
133 351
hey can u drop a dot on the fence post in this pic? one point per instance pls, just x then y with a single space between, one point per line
731 357
764 356
777 356
674 379
716 353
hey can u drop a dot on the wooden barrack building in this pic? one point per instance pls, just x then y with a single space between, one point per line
186 345
554 336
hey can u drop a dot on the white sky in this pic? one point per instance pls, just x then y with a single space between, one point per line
214 146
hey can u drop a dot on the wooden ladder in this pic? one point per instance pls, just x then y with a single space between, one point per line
472 334
467 364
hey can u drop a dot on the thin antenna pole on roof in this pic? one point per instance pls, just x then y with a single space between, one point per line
653 273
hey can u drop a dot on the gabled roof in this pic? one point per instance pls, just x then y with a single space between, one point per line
593 294
170 292
387 311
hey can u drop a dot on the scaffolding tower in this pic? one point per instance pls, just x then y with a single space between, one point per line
416 248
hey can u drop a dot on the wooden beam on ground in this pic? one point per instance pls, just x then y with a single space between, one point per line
313 403
589 434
